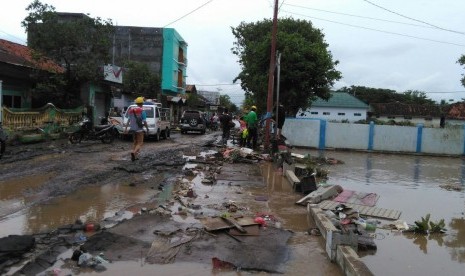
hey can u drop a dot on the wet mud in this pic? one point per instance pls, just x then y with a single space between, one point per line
133 203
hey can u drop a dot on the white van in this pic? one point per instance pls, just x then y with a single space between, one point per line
157 119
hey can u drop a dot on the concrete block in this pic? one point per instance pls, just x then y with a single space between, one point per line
292 178
350 263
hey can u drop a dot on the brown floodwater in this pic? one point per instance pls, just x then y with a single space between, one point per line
410 184
89 204
407 183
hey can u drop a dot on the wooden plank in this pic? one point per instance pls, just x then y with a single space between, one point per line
213 224
235 224
252 230
363 210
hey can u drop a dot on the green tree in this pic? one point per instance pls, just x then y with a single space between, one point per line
461 61
194 101
139 80
307 67
416 97
382 95
225 101
80 44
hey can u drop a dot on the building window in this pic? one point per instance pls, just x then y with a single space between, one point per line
358 114
12 101
341 114
326 113
314 112
408 117
428 118
391 117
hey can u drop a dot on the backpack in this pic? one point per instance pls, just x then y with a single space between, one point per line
138 118
139 121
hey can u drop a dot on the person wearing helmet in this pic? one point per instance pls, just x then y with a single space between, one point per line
136 121
252 122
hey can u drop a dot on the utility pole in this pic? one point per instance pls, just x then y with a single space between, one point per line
269 102
278 73
1 98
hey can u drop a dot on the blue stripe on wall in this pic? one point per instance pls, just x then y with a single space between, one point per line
371 134
322 142
464 140
419 137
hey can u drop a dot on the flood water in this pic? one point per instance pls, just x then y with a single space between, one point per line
89 204
410 184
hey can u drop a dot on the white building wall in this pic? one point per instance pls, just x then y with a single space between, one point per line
334 114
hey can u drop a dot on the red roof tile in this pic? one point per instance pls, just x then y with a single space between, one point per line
21 55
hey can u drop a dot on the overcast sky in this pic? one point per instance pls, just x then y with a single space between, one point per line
394 44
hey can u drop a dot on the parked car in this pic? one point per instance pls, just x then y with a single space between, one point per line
157 119
193 120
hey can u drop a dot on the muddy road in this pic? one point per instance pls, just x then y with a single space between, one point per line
46 187
31 174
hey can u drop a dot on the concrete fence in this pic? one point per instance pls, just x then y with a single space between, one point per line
321 134
24 119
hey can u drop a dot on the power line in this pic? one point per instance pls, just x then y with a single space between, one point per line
404 16
206 3
18 38
376 30
219 84
360 16
440 92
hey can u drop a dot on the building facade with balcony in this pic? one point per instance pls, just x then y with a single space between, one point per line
162 49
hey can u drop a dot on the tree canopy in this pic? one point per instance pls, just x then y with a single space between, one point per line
381 95
461 61
139 80
79 43
225 101
307 69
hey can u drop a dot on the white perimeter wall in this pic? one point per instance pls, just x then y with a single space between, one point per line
321 134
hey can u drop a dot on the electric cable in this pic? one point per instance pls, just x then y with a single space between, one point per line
410 18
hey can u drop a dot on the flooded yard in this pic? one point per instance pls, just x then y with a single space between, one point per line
412 185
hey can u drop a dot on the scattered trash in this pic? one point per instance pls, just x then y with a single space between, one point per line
365 225
260 221
219 264
261 198
314 231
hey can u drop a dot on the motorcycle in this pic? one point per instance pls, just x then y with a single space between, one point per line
3 138
106 133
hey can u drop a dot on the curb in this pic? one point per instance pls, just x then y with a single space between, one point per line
341 248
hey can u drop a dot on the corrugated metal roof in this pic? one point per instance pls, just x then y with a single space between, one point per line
402 109
340 99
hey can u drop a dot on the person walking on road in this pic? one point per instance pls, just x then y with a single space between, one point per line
226 125
137 119
252 125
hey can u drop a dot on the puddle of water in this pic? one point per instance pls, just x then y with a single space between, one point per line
305 249
15 194
410 184
12 188
88 204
